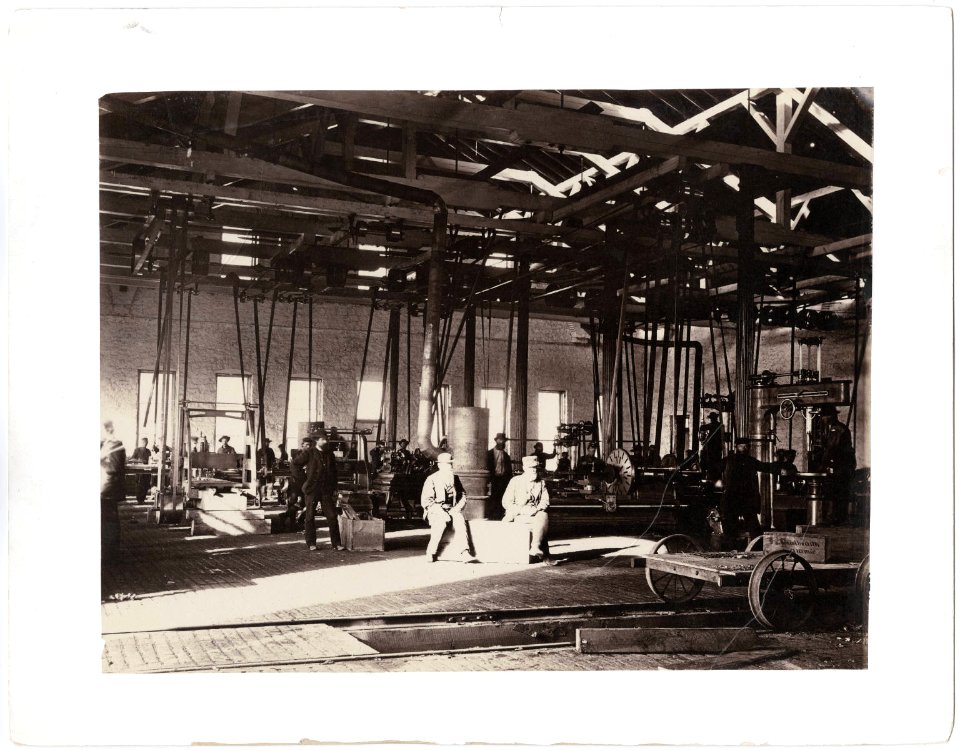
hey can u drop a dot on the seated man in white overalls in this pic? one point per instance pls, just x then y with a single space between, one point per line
525 501
443 499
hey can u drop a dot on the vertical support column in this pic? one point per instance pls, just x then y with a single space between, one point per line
409 152
608 351
393 339
470 357
745 290
784 114
519 407
348 121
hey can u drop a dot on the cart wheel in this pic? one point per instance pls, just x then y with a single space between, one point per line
862 584
782 590
673 587
755 544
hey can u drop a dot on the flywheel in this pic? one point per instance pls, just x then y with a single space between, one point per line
623 473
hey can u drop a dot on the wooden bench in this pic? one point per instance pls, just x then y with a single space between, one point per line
491 542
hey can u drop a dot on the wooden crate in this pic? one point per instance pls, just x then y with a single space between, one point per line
362 534
843 543
821 544
810 546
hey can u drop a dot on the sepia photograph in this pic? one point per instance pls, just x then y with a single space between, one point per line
486 380
502 375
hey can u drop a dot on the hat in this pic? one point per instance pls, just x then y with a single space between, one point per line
224 438
530 462
743 441
445 458
267 440
308 439
828 410
713 416
500 437
404 441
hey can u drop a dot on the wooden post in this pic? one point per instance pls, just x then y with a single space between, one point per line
784 112
409 151
348 121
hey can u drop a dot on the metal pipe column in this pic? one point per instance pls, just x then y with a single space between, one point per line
393 339
519 410
428 374
470 357
745 312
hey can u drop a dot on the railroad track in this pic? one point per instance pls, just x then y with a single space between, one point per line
390 636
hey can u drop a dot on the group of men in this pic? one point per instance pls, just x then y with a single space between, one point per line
525 500
521 499
740 502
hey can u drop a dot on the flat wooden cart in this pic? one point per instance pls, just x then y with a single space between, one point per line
781 584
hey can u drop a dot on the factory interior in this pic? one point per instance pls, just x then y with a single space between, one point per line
513 376
660 298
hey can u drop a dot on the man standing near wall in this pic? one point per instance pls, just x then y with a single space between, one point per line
320 468
501 472
141 455
740 503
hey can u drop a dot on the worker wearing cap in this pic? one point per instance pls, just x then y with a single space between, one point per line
401 457
225 447
740 503
590 463
501 472
443 499
541 456
838 459
526 501
266 461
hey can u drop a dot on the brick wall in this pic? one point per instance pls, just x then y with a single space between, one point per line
559 359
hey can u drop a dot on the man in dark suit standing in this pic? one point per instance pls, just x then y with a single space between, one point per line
320 482
501 471
740 503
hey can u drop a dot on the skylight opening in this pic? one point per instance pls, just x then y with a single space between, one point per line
231 260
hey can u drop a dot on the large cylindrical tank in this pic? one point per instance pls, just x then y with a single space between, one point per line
467 437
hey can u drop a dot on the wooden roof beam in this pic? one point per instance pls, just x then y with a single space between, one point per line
845 244
643 115
855 142
625 182
572 129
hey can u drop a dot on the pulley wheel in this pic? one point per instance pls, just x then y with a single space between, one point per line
787 409
623 472
670 587
782 591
